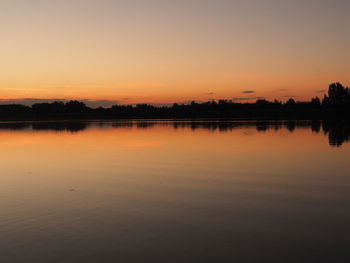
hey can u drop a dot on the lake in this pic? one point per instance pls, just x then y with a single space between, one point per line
175 191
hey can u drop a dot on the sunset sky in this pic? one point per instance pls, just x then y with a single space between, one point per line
165 51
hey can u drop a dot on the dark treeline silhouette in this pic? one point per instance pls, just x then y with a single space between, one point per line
335 104
337 131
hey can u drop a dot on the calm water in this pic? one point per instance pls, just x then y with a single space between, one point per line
174 192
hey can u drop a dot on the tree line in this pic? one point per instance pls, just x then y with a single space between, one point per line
336 103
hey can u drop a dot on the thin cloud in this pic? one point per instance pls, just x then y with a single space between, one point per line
99 103
246 98
248 91
321 91
210 93
283 89
31 101
289 96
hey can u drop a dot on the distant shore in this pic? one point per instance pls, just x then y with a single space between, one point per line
334 105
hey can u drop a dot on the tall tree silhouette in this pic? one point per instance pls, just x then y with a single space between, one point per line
338 95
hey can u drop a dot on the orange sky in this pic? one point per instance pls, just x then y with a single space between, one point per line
162 52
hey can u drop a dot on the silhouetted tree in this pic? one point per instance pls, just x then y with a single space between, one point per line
290 103
338 95
75 107
315 102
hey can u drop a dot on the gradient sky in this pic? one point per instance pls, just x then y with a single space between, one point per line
159 51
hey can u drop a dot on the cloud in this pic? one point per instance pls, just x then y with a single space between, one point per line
289 96
31 101
100 103
246 98
248 91
283 90
321 91
210 93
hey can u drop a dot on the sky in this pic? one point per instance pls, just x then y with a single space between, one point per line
163 51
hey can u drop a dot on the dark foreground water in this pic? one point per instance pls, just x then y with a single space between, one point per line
174 192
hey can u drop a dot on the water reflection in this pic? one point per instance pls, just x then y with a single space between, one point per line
174 191
338 132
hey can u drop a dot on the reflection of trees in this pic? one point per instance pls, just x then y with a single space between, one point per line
60 126
15 126
144 125
315 126
338 131
291 125
71 126
123 124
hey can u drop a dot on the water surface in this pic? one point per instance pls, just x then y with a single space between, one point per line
141 191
